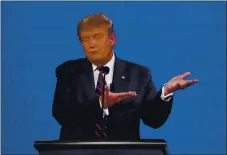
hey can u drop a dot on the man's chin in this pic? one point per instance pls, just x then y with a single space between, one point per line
96 60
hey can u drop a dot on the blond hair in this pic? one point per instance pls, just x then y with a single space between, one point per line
95 20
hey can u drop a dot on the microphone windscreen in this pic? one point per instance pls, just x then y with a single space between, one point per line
106 70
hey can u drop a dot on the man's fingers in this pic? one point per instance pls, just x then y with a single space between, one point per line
131 93
186 74
125 97
125 94
190 82
119 99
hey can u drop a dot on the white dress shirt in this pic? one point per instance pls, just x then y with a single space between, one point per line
109 79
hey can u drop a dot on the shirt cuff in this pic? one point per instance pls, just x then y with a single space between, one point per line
167 97
106 112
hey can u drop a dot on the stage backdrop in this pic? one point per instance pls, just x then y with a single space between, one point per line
168 37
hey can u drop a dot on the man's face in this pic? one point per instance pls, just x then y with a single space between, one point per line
96 44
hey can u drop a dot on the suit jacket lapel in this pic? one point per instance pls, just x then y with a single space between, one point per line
120 78
121 81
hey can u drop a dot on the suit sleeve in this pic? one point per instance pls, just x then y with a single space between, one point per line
66 114
155 111
66 109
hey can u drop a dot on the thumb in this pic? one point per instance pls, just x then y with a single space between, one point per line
106 91
106 96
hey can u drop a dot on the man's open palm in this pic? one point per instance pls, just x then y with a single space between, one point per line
179 82
112 98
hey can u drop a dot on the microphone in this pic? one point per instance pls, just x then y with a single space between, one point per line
105 70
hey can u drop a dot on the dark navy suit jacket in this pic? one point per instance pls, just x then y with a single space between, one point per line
76 107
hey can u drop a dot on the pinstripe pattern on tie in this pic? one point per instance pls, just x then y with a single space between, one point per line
101 128
99 86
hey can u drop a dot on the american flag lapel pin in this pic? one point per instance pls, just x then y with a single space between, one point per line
123 77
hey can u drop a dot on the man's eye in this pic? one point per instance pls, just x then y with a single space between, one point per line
85 39
98 36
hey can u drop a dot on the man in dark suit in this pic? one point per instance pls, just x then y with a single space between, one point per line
130 94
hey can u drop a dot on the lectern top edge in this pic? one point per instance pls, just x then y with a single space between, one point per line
142 144
77 146
101 143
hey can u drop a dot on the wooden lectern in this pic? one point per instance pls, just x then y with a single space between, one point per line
142 147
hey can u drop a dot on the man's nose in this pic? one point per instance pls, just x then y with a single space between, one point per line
92 43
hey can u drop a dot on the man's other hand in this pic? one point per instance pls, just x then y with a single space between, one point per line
179 82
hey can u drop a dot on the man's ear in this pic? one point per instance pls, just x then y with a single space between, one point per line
112 40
